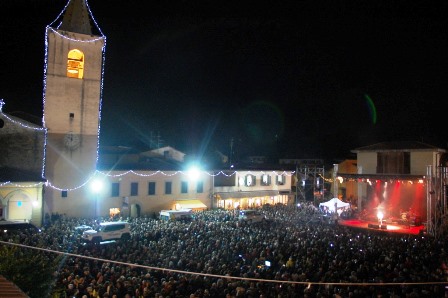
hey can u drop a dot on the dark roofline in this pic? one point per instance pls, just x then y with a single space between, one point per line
24 118
8 174
398 146
381 176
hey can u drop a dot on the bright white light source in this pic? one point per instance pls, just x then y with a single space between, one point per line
380 215
193 173
97 185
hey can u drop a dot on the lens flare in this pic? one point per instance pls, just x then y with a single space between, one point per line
371 107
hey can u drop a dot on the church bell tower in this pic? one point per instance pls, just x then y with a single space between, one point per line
73 79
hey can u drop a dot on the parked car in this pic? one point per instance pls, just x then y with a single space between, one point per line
184 215
80 229
251 216
108 231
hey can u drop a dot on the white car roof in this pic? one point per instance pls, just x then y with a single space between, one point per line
109 223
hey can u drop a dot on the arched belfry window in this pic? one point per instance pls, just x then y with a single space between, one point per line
75 64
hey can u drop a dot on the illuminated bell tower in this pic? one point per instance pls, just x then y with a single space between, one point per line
74 59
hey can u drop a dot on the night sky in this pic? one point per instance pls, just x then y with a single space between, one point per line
285 78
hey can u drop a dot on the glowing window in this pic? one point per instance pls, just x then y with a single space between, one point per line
265 179
281 180
75 64
250 180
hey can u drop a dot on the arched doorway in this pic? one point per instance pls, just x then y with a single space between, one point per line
19 207
135 210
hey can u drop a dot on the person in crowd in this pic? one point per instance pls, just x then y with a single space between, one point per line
304 256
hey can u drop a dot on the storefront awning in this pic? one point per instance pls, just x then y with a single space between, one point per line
191 204
246 194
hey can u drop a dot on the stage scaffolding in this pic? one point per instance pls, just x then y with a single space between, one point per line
436 200
310 175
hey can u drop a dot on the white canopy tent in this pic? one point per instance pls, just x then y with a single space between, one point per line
334 204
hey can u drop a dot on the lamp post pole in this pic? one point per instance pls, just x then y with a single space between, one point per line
96 204
212 190
335 182
335 189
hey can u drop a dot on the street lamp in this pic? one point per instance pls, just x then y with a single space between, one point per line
194 173
96 186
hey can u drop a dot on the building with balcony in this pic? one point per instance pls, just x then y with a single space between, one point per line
402 179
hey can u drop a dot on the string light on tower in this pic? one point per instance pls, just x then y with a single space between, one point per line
50 28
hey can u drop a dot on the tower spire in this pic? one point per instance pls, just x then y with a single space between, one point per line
76 18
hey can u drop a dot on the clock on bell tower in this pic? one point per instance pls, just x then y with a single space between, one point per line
74 59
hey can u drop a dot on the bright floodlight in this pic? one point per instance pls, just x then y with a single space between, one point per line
193 173
97 185
380 215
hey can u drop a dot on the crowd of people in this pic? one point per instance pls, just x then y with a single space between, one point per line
295 253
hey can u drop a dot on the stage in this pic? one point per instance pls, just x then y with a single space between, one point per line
387 226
